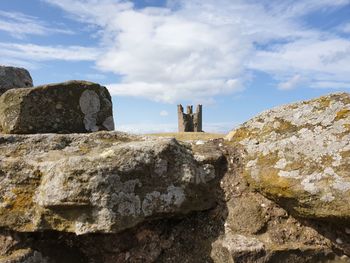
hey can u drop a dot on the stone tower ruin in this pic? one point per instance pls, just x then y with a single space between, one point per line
189 121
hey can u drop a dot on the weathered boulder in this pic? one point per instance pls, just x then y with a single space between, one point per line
11 78
299 156
74 106
219 234
100 182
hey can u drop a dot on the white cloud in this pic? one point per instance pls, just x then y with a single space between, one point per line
317 60
290 83
164 113
19 25
32 52
164 92
345 28
331 84
163 54
202 48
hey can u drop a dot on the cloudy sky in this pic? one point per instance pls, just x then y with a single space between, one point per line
236 57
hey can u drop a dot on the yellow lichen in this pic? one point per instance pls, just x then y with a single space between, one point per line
268 179
345 154
241 134
283 127
342 114
84 149
17 207
324 102
327 160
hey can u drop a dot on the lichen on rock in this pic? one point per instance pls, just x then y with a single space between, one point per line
297 155
115 183
73 106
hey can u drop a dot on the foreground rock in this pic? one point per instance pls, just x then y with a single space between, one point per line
240 225
12 78
299 156
74 106
102 182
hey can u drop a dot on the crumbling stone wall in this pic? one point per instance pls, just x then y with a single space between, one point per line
189 121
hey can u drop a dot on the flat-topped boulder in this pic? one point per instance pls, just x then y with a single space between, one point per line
100 182
12 78
68 107
299 156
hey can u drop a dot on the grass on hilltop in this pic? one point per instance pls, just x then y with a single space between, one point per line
189 136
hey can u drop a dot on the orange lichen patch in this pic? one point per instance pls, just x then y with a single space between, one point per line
342 114
17 207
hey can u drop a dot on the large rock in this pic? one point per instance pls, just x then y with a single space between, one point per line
100 182
223 233
74 106
11 78
299 156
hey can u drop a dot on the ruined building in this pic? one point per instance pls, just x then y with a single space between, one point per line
189 121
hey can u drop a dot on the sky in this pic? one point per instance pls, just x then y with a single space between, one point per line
236 57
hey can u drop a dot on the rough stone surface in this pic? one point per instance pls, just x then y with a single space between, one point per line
111 197
100 182
238 248
200 236
257 230
74 106
299 156
12 78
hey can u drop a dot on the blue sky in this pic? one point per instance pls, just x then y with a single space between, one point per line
236 57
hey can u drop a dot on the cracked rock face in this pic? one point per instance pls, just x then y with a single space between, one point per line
74 106
100 182
12 78
299 156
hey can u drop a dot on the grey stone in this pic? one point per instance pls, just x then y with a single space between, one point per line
99 182
74 106
12 78
299 156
